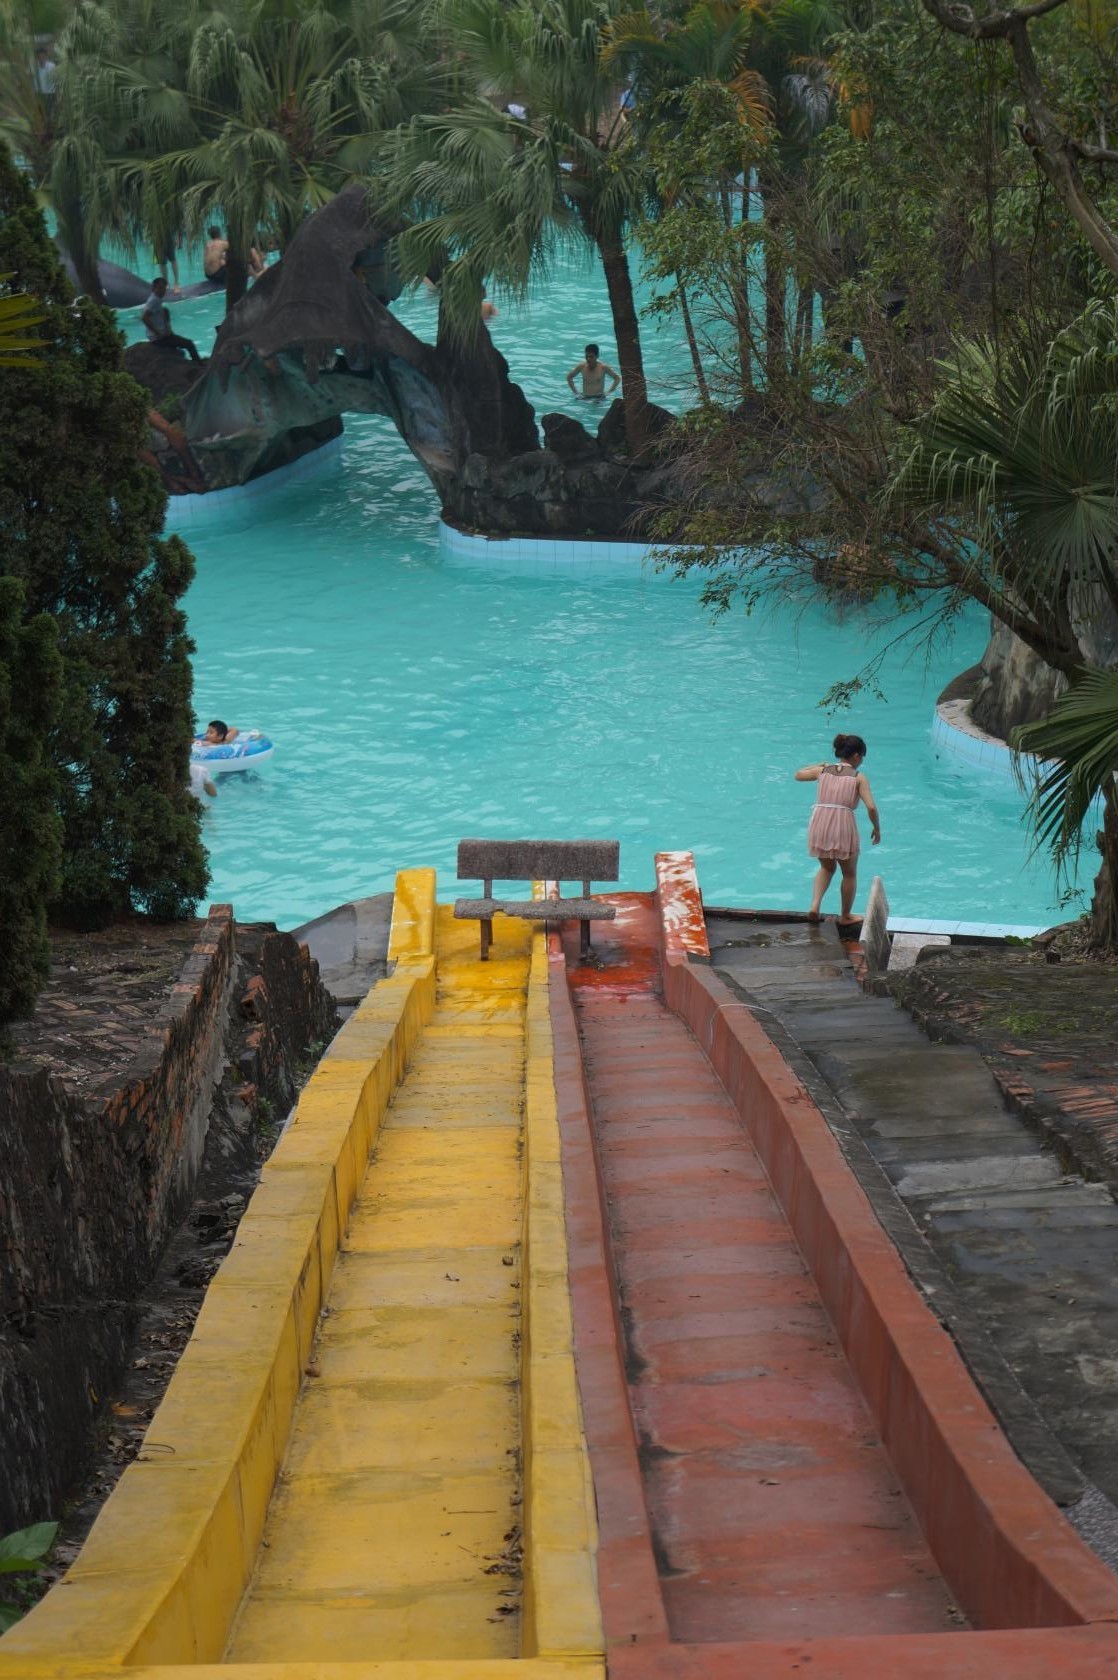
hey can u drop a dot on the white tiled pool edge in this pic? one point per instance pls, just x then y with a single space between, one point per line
191 513
953 732
538 556
965 930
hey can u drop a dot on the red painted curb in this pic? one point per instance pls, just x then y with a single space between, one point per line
1010 1558
628 1583
1039 1654
683 928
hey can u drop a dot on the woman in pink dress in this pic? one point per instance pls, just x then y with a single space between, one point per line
832 834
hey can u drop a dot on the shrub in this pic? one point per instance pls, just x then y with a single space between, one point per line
81 518
30 828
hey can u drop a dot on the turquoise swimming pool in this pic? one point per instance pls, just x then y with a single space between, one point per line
416 695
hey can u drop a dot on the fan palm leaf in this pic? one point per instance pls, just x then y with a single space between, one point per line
1025 454
1078 745
19 314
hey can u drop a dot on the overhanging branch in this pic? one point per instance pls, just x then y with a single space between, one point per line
1057 153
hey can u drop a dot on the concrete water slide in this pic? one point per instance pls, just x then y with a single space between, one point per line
559 1338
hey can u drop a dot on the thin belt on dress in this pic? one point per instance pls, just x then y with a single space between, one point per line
831 805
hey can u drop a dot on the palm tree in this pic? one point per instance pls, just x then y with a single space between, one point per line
122 98
787 50
669 63
1018 456
174 116
497 195
1078 746
289 110
26 111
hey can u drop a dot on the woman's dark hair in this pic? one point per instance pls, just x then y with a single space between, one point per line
845 746
223 728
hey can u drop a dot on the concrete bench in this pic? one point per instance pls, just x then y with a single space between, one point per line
536 860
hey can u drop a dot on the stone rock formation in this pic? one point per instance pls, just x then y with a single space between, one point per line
315 338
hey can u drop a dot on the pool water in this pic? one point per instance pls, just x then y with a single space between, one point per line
415 698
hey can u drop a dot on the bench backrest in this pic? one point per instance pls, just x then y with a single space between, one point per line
538 860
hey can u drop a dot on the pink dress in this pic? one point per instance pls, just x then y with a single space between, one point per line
832 831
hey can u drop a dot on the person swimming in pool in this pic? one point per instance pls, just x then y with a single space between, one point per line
594 374
218 733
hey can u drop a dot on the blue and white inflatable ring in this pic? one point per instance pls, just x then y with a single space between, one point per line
247 751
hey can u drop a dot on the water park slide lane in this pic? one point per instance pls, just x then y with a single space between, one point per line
371 1462
686 1308
371 1448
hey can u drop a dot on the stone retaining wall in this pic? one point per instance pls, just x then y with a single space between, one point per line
92 1185
290 1016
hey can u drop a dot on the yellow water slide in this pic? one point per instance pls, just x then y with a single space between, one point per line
370 1459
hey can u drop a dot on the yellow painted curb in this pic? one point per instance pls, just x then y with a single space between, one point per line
511 1668
156 1588
412 933
561 1614
161 1575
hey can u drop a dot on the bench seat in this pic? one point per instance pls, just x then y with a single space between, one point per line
535 909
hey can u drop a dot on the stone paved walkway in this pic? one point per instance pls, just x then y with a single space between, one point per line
104 989
1048 1032
1030 1252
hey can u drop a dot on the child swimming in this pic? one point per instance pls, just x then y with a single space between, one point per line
832 834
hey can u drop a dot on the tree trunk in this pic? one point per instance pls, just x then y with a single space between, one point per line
692 343
741 296
626 327
776 284
804 310
236 279
1104 902
89 279
72 234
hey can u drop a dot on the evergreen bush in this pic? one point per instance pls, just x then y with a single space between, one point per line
80 522
30 827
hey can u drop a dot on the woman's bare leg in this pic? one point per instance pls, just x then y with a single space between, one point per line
849 867
824 875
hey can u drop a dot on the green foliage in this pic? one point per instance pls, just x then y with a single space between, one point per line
26 114
22 1553
1078 741
254 115
494 195
81 517
19 314
30 829
1025 455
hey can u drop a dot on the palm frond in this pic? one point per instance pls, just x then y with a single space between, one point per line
19 313
1078 746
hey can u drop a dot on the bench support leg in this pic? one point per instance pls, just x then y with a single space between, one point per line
584 930
486 939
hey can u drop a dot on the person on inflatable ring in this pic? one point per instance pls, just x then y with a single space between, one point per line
217 733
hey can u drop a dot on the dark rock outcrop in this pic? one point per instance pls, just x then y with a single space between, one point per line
314 339
1013 685
162 373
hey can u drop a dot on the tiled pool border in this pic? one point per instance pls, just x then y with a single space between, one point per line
193 513
953 732
540 556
